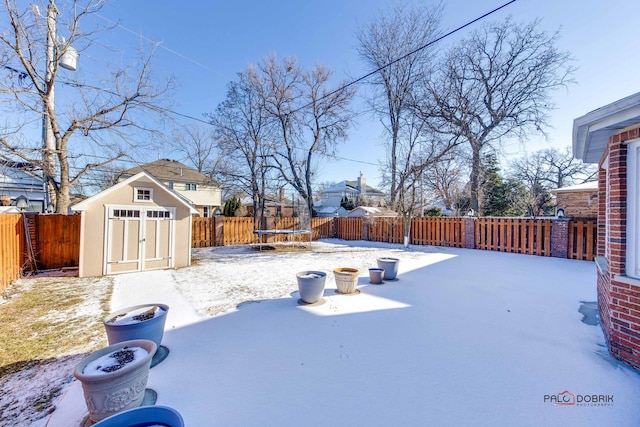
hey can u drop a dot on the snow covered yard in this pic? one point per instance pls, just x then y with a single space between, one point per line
463 337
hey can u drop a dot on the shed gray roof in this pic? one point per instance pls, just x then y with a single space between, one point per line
170 170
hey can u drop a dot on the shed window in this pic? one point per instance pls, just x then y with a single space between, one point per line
126 213
142 194
158 214
633 209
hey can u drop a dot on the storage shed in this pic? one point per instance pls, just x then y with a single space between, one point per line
138 224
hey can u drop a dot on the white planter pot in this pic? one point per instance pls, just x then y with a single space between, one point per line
107 393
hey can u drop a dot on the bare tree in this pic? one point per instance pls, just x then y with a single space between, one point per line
545 170
445 179
98 121
384 45
311 119
198 146
243 139
496 84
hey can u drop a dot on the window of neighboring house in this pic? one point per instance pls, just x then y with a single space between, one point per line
189 186
170 185
633 209
207 211
141 194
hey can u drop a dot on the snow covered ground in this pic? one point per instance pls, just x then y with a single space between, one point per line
463 338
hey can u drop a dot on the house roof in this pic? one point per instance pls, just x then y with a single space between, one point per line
591 132
141 176
586 186
343 186
372 211
170 170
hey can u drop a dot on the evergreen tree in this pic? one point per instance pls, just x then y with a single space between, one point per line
347 203
231 206
497 194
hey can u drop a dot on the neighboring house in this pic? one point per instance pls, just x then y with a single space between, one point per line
610 137
202 191
332 212
274 205
20 181
578 201
372 212
352 190
136 225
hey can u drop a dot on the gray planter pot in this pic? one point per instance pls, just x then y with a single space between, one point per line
107 393
390 267
144 416
150 329
376 275
311 285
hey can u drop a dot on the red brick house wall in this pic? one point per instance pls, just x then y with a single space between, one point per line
618 296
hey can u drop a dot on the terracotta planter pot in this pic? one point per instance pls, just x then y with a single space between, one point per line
311 285
107 393
346 279
120 326
144 416
390 267
376 275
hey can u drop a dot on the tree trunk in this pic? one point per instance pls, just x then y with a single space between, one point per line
474 182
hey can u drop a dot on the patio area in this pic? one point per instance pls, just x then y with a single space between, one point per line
464 337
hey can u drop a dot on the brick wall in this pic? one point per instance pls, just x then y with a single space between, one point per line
618 296
560 238
578 203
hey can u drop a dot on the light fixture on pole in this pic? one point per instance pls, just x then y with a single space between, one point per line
22 203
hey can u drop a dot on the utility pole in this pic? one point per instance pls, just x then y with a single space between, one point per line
49 153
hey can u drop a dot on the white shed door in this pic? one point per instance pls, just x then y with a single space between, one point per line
138 239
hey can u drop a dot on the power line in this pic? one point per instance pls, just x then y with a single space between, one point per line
413 52
155 43
341 88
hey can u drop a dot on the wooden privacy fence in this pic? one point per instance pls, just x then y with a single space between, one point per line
57 242
583 236
519 235
390 230
531 236
37 242
53 241
12 253
438 231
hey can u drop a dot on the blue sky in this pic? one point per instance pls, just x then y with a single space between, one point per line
205 43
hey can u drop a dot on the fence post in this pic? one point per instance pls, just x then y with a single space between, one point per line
469 232
218 230
365 229
560 237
